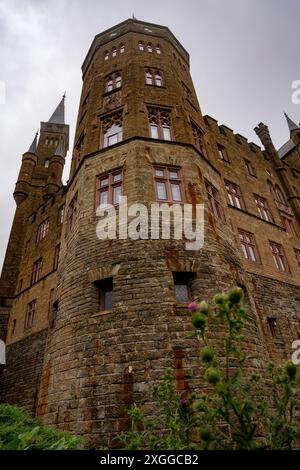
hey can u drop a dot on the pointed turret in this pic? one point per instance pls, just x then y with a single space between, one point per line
33 146
58 117
292 125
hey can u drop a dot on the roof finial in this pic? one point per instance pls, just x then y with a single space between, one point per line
133 17
292 125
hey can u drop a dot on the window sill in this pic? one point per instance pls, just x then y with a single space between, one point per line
101 313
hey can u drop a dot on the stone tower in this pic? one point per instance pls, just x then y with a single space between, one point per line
111 315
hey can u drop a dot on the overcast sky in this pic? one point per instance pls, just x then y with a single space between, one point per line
244 58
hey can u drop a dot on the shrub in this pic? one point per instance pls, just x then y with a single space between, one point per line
19 431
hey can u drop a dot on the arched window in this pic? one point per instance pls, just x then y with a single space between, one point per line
109 84
279 195
114 52
46 141
160 124
149 47
158 78
47 163
112 129
158 49
113 81
149 77
51 141
122 48
141 46
106 55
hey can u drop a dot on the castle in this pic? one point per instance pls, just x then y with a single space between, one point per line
89 325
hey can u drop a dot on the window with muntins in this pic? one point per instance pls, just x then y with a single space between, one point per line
234 195
113 82
160 124
109 189
154 77
168 184
279 257
248 245
214 200
263 208
222 153
30 314
36 271
42 230
198 138
112 129
250 168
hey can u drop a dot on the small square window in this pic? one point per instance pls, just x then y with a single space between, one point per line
183 286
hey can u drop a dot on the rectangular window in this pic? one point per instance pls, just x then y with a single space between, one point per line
61 213
109 189
72 214
297 253
248 245
250 168
222 153
168 184
234 195
160 124
214 201
279 257
263 208
42 230
30 314
289 226
36 271
183 286
56 256
105 293
112 129
272 322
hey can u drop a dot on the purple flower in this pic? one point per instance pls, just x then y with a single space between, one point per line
193 307
182 401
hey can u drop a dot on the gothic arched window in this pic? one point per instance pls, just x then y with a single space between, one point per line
114 52
149 47
141 46
158 49
122 48
113 81
106 55
112 129
160 124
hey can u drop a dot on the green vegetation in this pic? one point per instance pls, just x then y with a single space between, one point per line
239 409
18 431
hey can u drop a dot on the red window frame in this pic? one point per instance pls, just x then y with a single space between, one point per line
279 257
30 314
108 183
214 201
36 271
263 208
168 179
160 119
248 244
289 226
72 214
234 194
42 230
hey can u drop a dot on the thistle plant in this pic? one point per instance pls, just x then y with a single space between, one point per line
239 409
